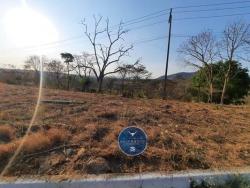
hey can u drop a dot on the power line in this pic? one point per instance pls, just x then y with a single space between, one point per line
81 36
208 17
142 17
147 25
214 9
152 16
151 40
141 41
50 43
212 4
166 11
143 20
160 38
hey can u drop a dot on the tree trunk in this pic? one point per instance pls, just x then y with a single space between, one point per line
122 86
225 84
58 80
68 81
211 92
199 93
100 81
224 89
37 77
83 87
100 86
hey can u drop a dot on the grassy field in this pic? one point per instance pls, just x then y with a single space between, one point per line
73 139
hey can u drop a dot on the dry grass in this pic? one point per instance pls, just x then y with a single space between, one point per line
44 140
6 150
181 135
34 142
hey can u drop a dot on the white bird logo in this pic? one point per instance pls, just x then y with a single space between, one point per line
132 134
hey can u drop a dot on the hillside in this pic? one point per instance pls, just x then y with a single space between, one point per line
178 76
81 138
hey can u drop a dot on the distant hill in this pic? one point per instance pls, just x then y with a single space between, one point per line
178 76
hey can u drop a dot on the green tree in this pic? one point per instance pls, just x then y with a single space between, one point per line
237 87
239 83
235 40
68 59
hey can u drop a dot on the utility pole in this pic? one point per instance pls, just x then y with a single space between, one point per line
166 70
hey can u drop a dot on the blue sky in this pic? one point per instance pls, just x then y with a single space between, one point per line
65 16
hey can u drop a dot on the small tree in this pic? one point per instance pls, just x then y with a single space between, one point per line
56 67
35 63
238 85
125 71
106 55
201 51
80 66
136 74
139 71
68 59
236 38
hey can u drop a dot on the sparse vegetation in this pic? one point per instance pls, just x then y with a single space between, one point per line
182 135
231 182
68 88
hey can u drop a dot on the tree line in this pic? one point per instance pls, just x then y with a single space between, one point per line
220 78
71 74
218 61
103 61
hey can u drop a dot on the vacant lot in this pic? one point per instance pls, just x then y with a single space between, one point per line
81 138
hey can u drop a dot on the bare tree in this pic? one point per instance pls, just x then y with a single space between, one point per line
81 63
107 54
201 51
139 71
125 71
236 39
56 67
35 63
68 59
134 72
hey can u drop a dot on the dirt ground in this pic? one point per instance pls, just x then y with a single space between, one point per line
81 138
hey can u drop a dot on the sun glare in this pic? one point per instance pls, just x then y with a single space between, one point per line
26 27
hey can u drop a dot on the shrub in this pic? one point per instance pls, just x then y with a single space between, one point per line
56 136
231 182
6 133
109 116
43 140
100 133
35 142
6 150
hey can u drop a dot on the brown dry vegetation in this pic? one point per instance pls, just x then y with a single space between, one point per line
181 135
6 133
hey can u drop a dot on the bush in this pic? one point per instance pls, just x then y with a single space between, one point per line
6 133
231 182
44 140
6 150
